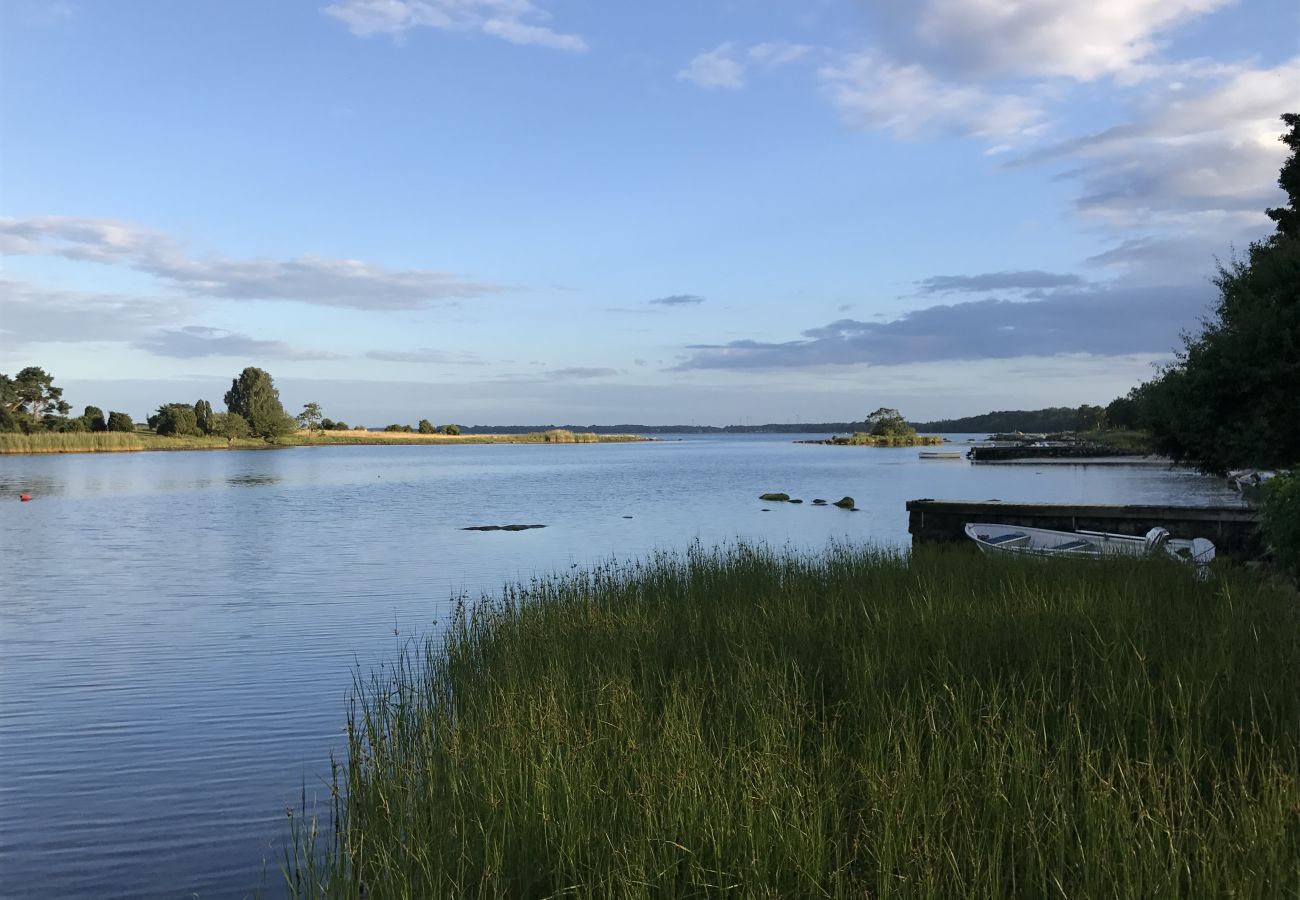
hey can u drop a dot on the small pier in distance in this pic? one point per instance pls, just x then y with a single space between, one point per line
1234 529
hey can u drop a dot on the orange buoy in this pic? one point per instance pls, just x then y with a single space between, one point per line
24 497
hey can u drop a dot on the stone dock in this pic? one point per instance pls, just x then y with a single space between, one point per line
1234 529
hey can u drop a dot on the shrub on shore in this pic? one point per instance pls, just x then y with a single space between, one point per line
755 724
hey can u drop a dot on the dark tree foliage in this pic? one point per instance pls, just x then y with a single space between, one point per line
405 429
889 422
1231 400
203 416
451 429
176 419
426 427
229 425
32 392
120 421
253 396
94 419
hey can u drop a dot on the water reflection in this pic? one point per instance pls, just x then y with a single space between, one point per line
175 649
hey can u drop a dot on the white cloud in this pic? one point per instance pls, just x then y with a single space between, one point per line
505 19
872 92
1199 158
716 69
1053 38
196 341
37 314
315 280
726 66
778 53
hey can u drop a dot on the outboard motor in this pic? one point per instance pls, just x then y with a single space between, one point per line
1156 539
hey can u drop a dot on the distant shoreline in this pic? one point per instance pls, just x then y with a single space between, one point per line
43 444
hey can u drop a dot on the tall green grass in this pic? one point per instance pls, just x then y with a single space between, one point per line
115 441
751 723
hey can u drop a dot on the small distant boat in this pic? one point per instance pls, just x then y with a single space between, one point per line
991 538
940 454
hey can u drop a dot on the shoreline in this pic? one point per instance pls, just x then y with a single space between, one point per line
123 442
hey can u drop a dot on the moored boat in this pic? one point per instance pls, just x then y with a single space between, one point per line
940 454
1019 539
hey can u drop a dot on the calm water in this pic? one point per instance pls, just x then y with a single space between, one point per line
178 630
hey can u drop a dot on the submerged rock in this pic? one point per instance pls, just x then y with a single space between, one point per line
501 527
845 503
819 502
774 497
796 500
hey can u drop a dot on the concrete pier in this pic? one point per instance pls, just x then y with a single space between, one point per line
1234 530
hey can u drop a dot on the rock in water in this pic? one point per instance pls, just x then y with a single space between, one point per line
776 497
845 503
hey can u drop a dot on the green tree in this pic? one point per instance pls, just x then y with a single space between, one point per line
94 419
426 427
1091 418
451 429
1229 401
32 392
253 396
203 416
890 423
229 425
175 419
120 421
310 417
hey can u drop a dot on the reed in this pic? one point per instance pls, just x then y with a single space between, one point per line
114 442
746 722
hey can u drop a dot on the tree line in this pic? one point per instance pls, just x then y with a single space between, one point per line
30 402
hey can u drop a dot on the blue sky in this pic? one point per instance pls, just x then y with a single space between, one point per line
591 212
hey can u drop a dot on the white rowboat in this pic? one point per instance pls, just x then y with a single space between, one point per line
1018 539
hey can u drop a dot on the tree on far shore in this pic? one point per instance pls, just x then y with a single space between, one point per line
310 418
253 396
886 422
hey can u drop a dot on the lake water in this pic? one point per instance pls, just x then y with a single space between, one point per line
178 630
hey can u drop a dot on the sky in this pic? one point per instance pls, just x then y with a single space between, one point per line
600 212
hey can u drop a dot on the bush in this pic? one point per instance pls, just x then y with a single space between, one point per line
426 427
94 419
177 419
120 421
1280 520
451 429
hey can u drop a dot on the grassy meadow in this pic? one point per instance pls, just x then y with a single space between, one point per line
745 722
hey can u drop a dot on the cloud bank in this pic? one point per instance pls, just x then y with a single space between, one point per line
315 280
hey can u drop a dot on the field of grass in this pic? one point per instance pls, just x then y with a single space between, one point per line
115 442
752 723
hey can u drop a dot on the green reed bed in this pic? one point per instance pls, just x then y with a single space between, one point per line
117 442
745 722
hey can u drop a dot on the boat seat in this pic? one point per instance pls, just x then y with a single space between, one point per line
1005 538
1072 545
